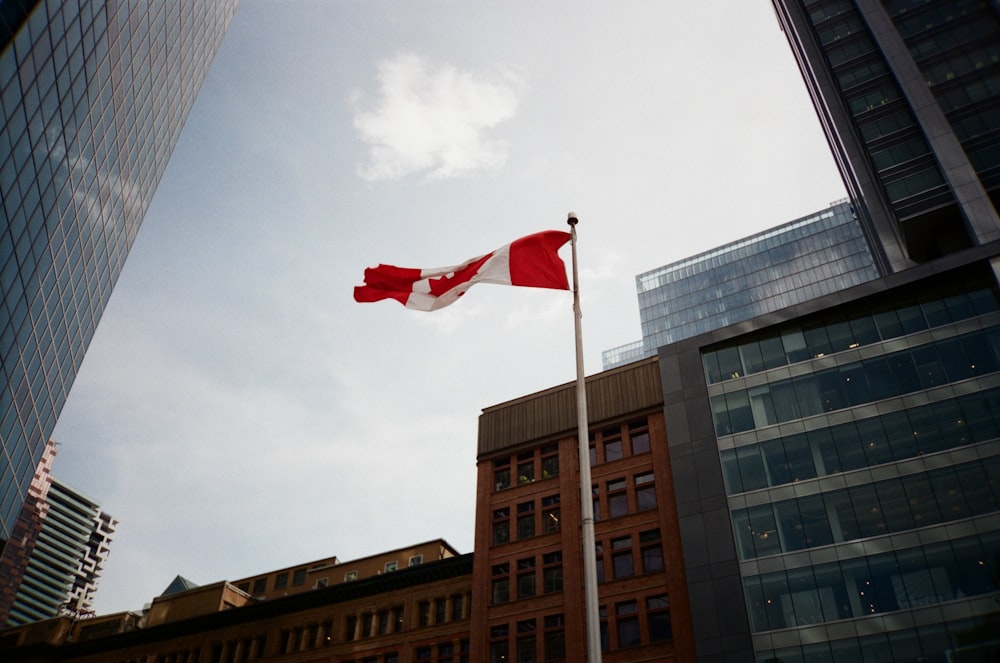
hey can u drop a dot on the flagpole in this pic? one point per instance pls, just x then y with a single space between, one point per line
586 495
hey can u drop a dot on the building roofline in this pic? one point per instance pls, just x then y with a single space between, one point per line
329 562
451 567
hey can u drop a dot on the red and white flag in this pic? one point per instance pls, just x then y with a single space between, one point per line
531 261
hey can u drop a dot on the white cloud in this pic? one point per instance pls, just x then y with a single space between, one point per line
434 119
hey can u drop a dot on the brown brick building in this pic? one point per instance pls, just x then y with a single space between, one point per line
527 590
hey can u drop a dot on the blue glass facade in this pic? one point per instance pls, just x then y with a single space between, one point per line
860 456
93 95
795 262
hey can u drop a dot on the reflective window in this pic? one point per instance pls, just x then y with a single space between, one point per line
897 580
772 350
865 443
852 384
872 509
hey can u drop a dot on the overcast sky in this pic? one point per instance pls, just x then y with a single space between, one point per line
238 412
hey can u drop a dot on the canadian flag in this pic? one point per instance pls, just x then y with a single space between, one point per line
531 261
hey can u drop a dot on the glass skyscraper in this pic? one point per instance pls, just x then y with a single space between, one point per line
93 96
791 263
908 94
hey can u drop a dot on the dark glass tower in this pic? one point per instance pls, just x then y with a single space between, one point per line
93 95
908 93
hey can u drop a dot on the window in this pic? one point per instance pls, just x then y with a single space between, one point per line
554 638
446 651
658 618
298 577
550 461
525 578
424 610
259 586
652 551
351 628
501 583
501 474
501 526
383 622
638 433
440 610
244 587
281 581
499 647
613 447
628 623
599 551
525 467
645 492
617 498
416 560
526 641
525 520
457 605
621 557
321 583
367 621
597 502
602 612
391 566
550 514
350 576
552 573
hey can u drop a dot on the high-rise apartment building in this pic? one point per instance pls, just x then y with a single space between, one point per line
67 559
908 94
791 263
93 95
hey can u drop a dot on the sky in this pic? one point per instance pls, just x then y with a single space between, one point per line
238 412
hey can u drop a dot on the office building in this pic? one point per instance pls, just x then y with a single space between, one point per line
93 96
67 559
838 464
528 586
791 263
908 94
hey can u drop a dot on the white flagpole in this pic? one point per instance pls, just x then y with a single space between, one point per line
586 496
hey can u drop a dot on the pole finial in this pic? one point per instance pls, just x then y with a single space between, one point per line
571 219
